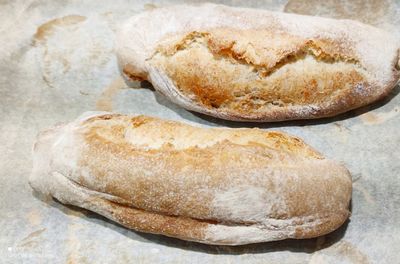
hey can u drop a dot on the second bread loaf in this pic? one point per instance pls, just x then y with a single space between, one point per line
255 65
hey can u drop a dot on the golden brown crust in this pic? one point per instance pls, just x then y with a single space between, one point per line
174 194
263 68
265 48
110 139
195 229
217 186
184 228
247 72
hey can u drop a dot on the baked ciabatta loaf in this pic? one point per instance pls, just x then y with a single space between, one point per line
210 185
255 65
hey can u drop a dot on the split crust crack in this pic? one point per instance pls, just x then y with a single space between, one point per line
235 75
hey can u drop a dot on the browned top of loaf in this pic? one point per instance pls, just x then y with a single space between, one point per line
218 186
264 48
247 72
246 64
176 169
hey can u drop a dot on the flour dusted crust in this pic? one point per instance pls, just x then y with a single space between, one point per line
256 65
210 185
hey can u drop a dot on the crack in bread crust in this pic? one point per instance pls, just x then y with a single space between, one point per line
242 76
143 134
246 47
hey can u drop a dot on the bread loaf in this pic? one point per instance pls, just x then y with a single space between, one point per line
210 185
255 65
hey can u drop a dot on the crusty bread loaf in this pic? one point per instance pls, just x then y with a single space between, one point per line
210 185
255 65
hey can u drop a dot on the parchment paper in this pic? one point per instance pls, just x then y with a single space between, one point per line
57 60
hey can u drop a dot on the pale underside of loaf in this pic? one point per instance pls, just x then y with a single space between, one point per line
255 65
215 186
